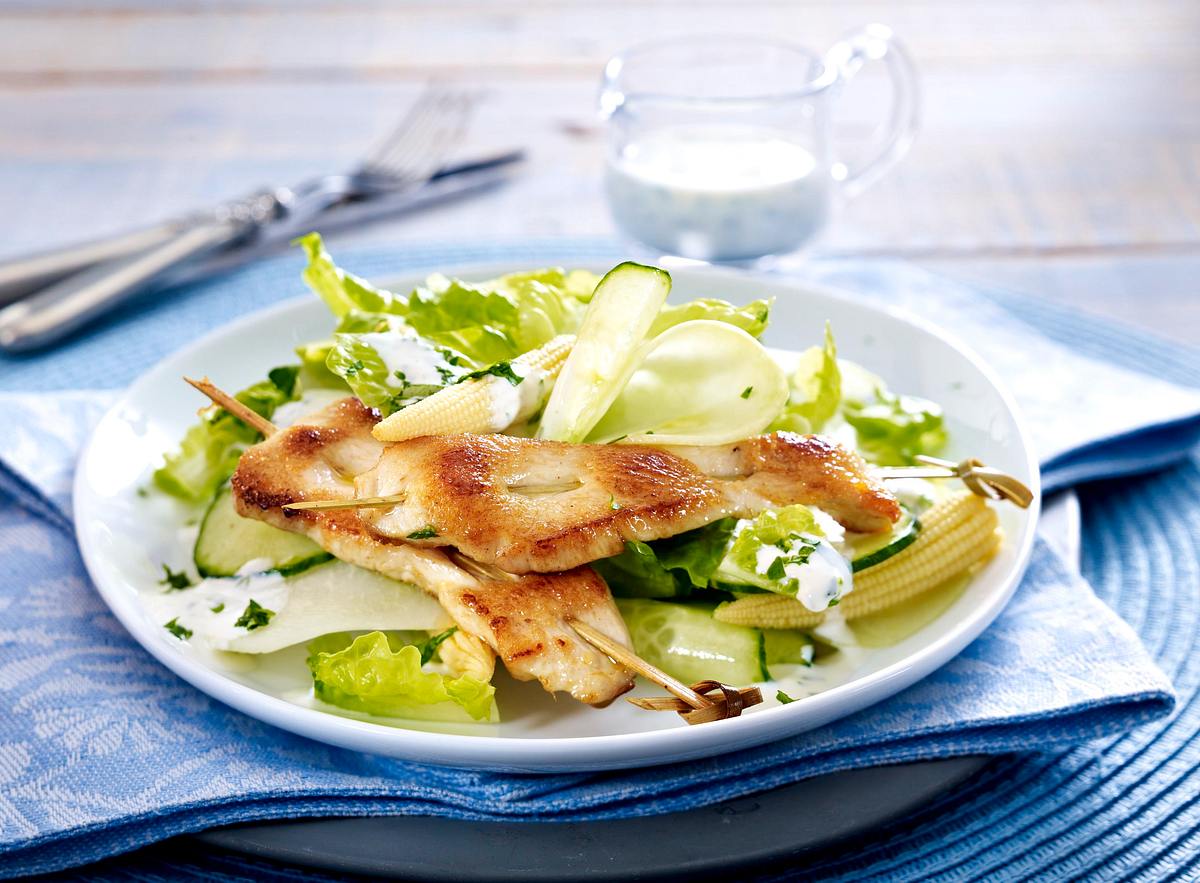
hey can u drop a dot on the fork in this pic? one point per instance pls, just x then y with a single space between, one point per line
404 160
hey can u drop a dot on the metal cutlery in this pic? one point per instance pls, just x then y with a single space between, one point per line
404 161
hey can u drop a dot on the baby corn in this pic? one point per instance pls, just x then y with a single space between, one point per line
470 406
957 534
768 611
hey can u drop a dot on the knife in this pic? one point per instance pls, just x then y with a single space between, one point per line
179 252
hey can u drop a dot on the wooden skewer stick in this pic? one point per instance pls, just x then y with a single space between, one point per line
749 696
355 503
979 478
223 399
622 655
395 499
691 703
478 569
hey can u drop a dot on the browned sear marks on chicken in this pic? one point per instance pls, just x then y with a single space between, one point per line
538 506
523 619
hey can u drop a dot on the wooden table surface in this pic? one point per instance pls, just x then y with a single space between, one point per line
1059 152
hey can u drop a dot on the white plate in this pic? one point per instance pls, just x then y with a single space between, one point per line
125 536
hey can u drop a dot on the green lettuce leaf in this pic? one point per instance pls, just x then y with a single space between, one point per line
637 573
670 567
370 675
816 389
792 530
341 291
210 449
893 429
751 318
356 359
314 372
502 318
485 322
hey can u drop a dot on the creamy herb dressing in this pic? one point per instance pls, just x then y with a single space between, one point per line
333 597
408 356
718 193
823 578
511 404
916 494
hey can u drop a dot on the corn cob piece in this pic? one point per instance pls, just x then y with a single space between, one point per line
466 654
957 534
769 611
470 406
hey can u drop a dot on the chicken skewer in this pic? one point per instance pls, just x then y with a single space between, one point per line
535 506
694 707
614 654
522 619
339 452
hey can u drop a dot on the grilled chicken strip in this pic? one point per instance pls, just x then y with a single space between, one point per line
524 619
538 506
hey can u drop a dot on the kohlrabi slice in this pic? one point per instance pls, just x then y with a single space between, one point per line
607 348
698 383
330 597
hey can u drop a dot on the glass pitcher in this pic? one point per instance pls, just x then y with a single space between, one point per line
719 148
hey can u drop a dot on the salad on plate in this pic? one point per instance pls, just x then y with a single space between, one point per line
473 472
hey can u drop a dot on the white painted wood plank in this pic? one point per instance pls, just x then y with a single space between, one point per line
987 173
407 38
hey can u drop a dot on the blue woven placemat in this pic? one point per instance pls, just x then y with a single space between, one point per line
1124 808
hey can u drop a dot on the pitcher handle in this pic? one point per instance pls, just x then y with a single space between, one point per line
876 42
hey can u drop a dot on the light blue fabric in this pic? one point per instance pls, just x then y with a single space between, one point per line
102 750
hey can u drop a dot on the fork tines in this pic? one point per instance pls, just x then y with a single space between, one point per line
414 151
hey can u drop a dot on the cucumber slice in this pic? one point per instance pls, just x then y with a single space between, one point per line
227 541
685 641
788 647
867 550
606 351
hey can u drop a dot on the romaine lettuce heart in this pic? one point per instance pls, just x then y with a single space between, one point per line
371 676
751 318
816 389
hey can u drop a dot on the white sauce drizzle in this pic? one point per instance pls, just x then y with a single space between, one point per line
509 403
823 578
411 356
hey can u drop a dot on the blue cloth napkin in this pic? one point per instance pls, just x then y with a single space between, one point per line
103 750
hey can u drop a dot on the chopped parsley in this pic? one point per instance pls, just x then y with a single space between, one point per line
411 392
747 391
450 356
218 608
500 369
430 647
613 504
428 532
783 698
776 570
174 580
255 616
182 632
354 367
